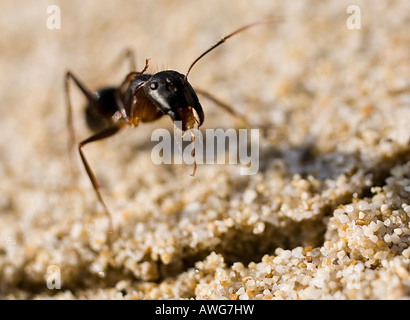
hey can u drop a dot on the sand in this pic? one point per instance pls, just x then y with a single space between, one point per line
326 217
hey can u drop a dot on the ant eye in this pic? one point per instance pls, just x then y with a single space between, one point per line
154 86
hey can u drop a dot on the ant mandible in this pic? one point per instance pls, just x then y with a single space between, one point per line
141 97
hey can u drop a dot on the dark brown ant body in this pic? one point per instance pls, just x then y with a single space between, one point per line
141 97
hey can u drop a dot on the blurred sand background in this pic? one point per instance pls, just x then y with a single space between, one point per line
326 217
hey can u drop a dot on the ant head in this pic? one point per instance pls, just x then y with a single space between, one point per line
174 96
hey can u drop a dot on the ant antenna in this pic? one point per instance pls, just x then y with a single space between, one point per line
223 39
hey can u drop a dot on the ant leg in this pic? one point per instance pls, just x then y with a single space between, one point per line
223 105
87 93
264 129
129 55
98 136
133 74
105 133
126 55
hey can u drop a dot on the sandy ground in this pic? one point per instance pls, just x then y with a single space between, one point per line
326 217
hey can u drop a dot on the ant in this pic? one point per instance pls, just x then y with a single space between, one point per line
141 97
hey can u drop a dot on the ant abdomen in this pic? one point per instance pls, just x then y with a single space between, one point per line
100 113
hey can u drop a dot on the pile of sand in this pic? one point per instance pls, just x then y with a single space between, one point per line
326 217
